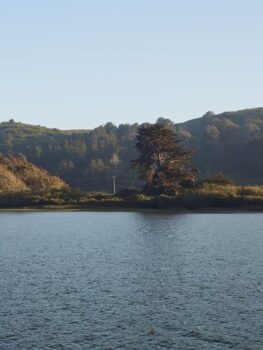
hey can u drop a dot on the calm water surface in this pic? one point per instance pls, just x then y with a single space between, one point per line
131 281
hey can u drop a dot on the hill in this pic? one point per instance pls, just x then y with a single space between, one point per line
231 142
17 174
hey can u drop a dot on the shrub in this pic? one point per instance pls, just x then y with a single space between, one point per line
99 195
218 179
251 191
141 197
128 192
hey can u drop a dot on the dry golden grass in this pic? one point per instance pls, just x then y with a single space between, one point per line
17 174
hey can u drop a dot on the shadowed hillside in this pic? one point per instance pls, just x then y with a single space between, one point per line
17 174
231 142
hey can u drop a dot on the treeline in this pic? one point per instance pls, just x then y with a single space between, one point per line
231 143
84 159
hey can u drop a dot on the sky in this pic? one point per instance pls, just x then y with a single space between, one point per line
81 63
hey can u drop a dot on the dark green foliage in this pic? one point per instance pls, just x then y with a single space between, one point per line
231 143
163 161
127 192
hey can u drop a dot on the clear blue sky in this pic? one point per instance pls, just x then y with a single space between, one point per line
81 63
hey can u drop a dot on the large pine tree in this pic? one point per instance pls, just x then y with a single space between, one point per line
163 162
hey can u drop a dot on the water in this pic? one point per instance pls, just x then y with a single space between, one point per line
96 280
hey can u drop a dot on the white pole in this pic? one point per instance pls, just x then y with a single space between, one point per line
114 185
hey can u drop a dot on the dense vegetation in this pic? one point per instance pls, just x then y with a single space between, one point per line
231 143
163 163
84 159
163 170
205 195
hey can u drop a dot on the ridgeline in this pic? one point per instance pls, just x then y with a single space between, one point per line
231 143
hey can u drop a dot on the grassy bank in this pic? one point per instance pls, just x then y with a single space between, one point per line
204 197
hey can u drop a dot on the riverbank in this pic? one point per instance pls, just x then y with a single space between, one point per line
176 210
181 210
212 198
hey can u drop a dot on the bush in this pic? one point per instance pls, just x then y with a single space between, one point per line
172 191
218 179
99 195
251 191
141 197
127 192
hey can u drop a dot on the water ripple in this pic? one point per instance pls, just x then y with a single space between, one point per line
131 281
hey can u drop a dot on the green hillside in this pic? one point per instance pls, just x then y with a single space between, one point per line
231 142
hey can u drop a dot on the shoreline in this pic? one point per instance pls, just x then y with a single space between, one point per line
174 210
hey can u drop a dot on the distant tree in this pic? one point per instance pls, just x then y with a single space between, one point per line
163 162
164 121
209 114
66 165
98 166
115 161
110 127
38 151
218 179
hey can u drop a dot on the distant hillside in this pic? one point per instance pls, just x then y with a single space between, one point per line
231 142
17 174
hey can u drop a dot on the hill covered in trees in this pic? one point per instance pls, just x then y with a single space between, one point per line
231 142
17 174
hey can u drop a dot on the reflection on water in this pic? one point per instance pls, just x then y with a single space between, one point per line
131 281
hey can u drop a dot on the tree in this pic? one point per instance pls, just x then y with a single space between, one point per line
38 151
163 161
164 121
218 179
66 165
209 114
